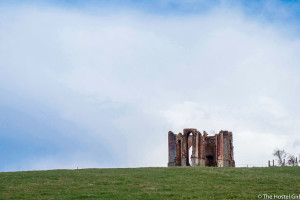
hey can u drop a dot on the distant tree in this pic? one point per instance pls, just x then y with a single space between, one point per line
292 161
280 155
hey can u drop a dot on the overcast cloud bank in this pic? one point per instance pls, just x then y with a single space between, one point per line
103 90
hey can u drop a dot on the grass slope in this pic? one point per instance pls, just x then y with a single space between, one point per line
151 183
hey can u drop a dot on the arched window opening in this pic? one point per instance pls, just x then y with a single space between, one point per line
190 154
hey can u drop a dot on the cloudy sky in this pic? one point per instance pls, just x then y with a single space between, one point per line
100 83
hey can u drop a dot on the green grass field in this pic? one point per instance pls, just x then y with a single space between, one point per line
151 183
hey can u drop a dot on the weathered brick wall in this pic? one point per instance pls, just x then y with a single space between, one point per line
210 151
214 150
178 149
172 148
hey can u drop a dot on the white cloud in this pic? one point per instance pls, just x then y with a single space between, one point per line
129 78
272 107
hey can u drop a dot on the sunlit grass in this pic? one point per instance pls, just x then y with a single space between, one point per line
151 183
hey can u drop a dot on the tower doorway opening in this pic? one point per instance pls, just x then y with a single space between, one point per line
209 160
190 155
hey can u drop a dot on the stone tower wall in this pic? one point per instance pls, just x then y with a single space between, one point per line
214 150
172 148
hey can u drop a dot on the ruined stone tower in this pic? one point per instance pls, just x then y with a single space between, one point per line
214 150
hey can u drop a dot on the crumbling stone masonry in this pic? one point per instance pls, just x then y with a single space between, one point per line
214 150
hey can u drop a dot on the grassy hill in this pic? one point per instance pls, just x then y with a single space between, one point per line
151 183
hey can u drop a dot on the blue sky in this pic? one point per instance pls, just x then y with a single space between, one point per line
100 83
